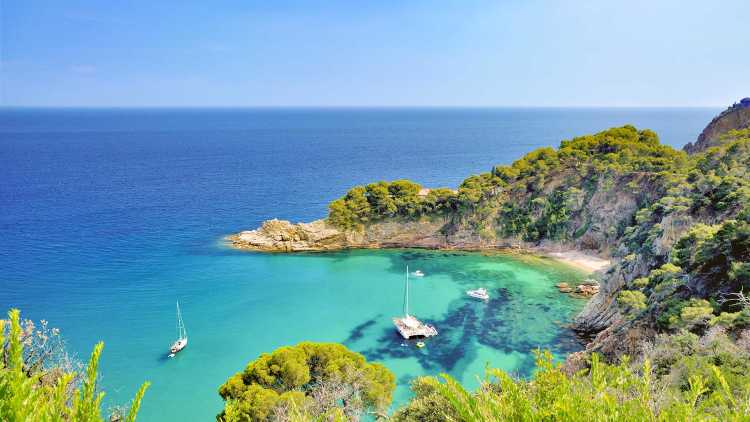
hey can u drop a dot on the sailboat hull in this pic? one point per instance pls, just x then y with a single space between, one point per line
179 345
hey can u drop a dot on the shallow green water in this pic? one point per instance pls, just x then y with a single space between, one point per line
243 304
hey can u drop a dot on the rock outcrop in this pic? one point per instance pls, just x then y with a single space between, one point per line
734 118
284 236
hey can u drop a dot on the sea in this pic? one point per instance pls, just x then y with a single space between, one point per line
108 217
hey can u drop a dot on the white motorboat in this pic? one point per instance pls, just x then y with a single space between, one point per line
480 293
417 273
182 339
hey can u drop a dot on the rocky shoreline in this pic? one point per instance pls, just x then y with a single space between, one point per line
318 236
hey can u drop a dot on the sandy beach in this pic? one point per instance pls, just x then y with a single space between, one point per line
586 262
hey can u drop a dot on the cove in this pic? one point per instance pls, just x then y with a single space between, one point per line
237 305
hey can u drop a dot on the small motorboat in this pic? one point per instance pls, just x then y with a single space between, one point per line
480 293
420 344
418 273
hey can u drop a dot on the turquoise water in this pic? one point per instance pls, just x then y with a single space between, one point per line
108 216
248 303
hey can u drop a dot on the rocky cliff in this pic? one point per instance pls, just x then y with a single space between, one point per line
735 117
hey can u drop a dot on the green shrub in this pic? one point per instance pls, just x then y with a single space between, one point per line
632 301
603 392
641 282
726 319
313 379
695 312
48 394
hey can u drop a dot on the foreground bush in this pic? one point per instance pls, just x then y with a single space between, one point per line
603 392
309 381
31 391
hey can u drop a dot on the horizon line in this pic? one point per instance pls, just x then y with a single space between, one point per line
218 107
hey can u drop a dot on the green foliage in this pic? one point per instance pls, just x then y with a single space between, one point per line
352 211
685 314
381 200
641 282
595 162
685 250
695 312
718 254
665 276
603 392
313 379
379 197
679 357
728 319
633 301
28 395
529 208
428 404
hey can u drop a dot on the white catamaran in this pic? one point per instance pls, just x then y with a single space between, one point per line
409 326
182 339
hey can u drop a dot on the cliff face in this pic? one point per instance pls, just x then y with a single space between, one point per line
734 118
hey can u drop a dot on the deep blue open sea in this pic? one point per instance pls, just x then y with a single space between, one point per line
108 216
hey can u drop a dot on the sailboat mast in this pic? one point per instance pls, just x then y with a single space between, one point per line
178 321
406 293
181 332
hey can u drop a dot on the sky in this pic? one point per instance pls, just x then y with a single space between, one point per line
224 53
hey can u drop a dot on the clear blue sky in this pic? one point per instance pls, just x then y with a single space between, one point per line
378 53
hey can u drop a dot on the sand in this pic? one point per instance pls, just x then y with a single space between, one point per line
585 262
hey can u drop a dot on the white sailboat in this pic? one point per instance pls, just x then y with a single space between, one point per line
182 339
409 326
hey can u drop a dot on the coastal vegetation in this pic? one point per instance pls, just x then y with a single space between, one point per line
309 381
543 195
398 199
40 382
621 392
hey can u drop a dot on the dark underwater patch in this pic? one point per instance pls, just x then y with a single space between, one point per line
358 332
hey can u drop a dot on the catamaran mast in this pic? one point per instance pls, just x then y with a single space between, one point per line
406 293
